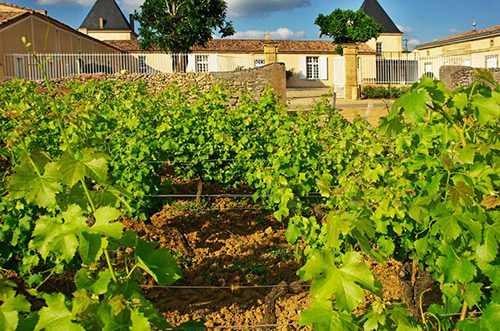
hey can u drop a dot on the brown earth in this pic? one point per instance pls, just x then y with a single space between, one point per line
225 243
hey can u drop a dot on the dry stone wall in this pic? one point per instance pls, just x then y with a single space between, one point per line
456 76
254 80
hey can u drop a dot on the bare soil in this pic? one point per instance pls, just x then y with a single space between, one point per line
223 244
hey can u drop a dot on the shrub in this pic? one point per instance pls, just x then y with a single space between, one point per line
378 92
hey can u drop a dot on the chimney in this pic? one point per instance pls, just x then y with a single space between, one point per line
268 36
132 22
474 25
41 11
101 23
406 45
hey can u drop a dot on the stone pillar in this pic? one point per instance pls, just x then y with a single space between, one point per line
270 50
351 72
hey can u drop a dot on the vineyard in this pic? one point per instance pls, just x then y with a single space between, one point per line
86 167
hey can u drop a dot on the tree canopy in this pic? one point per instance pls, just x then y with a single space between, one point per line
347 26
177 25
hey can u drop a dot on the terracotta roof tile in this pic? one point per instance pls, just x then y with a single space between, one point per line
14 6
249 46
460 36
6 16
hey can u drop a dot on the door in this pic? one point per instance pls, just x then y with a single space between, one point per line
339 77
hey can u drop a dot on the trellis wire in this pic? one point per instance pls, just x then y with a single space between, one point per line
254 326
232 287
239 160
191 196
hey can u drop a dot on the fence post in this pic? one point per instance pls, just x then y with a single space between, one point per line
270 50
351 71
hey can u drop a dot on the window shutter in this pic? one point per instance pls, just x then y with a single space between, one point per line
302 67
191 66
323 68
213 64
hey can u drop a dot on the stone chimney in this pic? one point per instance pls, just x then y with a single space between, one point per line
101 23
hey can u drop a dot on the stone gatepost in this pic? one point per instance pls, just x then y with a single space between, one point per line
270 50
351 72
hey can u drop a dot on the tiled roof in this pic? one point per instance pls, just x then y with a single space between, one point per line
3 4
9 16
111 14
249 46
461 37
6 16
373 9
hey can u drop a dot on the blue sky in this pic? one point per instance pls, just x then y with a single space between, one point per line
421 20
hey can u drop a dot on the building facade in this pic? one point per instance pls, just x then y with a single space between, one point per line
45 35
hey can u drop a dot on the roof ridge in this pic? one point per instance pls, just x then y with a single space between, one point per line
16 6
373 9
471 34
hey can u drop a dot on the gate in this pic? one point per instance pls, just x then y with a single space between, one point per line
339 77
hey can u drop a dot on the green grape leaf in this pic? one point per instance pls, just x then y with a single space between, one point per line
159 263
336 224
139 321
12 304
490 320
54 237
461 193
26 183
89 163
102 224
414 104
96 286
321 316
56 316
81 301
488 251
390 127
453 268
346 282
91 247
473 294
487 110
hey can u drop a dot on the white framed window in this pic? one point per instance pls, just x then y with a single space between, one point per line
428 67
379 49
143 65
312 67
260 63
201 63
491 61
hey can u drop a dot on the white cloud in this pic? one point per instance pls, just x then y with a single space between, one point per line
279 34
66 2
413 42
241 8
453 31
131 5
407 30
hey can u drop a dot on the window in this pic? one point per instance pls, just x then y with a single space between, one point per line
260 63
492 61
201 63
379 49
312 63
143 66
58 42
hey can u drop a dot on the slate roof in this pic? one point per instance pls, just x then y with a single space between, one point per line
374 9
110 12
249 46
461 37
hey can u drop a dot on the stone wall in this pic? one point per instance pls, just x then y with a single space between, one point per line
456 76
254 80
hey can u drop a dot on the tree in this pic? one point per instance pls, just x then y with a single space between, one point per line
177 25
347 26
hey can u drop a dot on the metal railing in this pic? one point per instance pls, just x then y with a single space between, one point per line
56 66
409 68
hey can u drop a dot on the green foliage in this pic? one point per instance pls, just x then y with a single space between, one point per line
421 186
178 25
347 26
379 92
